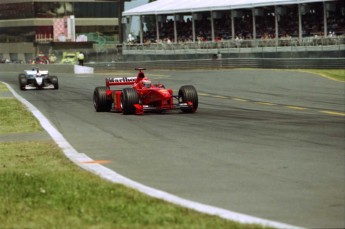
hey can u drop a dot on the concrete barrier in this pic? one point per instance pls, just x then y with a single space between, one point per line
52 68
282 63
83 69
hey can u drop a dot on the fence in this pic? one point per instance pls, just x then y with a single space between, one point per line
289 53
239 46
278 63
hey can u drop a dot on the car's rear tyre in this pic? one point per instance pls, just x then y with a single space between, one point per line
54 80
101 101
129 97
186 94
22 81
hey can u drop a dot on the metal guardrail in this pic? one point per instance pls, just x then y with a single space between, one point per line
52 68
269 63
237 46
279 63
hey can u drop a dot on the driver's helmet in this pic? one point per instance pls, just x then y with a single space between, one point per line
146 83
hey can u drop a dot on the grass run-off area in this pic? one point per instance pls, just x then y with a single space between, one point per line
336 74
41 188
15 118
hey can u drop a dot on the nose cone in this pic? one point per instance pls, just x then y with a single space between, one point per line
165 93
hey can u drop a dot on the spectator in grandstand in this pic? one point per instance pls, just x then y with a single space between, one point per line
130 38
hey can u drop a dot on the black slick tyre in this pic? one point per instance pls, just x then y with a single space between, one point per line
186 94
54 80
22 81
101 101
129 97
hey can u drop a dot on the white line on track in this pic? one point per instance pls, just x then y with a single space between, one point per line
108 174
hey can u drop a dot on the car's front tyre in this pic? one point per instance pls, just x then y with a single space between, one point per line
22 81
54 80
101 101
186 94
129 97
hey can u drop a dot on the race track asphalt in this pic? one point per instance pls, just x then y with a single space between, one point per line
267 143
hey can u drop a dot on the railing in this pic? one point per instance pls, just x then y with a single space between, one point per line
276 63
288 44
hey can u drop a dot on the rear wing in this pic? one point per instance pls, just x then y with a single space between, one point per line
34 72
120 81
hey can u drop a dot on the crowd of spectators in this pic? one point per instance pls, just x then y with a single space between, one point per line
312 25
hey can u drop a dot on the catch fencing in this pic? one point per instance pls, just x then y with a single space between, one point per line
278 63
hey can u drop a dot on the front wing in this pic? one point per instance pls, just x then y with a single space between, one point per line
140 109
32 87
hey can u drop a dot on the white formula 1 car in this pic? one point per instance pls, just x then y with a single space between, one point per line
37 79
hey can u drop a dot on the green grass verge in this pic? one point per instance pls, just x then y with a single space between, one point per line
41 188
336 74
3 87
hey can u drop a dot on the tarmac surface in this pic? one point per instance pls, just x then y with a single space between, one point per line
267 143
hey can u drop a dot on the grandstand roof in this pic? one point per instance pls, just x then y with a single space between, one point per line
187 6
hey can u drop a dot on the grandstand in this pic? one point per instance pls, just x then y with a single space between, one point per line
226 27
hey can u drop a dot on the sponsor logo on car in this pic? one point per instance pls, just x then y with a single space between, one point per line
121 79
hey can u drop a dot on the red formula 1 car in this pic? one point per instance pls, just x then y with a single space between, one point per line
142 96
